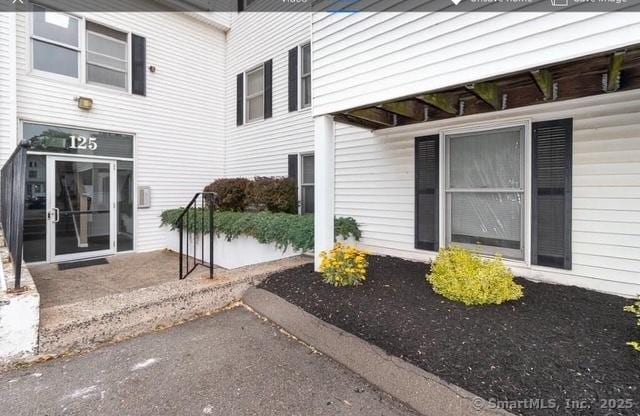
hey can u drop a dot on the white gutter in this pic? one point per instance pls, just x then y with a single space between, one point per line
218 20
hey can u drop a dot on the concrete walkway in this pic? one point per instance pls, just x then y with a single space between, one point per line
229 364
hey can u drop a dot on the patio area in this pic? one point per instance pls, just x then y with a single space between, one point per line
124 273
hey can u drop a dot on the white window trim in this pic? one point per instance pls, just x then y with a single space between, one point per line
245 114
479 127
300 74
301 176
127 61
82 48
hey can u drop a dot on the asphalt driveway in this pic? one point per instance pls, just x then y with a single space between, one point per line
232 363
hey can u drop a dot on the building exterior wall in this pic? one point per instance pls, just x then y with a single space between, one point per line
260 148
374 183
367 57
7 85
178 125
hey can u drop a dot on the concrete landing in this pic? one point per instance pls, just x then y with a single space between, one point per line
125 272
83 325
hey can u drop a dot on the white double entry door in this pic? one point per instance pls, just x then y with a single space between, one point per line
81 208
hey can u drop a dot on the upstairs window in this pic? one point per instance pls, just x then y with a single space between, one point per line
55 42
255 94
107 51
305 75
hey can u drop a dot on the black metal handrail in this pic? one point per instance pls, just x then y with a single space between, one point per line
206 202
13 188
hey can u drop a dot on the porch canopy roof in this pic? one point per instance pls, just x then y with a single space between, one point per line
601 73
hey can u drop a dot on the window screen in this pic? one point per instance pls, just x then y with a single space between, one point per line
255 94
307 184
55 42
107 50
485 191
305 76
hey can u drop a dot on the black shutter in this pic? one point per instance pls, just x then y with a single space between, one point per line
268 90
293 167
240 6
138 65
426 183
551 193
293 79
239 99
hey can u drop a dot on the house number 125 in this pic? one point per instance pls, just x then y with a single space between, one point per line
83 143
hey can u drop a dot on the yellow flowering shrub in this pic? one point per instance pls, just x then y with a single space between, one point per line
635 309
344 265
459 275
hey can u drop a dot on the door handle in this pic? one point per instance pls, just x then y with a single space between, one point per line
54 215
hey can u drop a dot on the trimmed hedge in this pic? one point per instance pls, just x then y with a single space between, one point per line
232 193
267 227
275 194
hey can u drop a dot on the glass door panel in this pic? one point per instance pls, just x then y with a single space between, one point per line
82 209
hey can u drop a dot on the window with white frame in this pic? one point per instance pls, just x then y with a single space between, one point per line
484 185
55 42
305 75
107 51
254 96
307 184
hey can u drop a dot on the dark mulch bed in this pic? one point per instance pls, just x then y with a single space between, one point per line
558 342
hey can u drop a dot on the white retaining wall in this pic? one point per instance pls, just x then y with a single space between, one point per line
241 251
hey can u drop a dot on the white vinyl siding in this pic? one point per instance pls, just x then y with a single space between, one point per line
7 86
178 126
374 183
366 57
262 148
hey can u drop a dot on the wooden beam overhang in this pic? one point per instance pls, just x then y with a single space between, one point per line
411 109
441 102
489 92
544 81
612 81
591 75
375 115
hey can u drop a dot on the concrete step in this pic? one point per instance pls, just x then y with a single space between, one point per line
85 325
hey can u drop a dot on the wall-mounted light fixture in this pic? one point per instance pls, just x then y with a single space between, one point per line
84 103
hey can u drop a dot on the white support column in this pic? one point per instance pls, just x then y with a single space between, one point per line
324 184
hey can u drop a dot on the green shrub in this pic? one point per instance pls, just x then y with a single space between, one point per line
232 193
344 266
273 194
347 226
459 275
280 228
634 309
